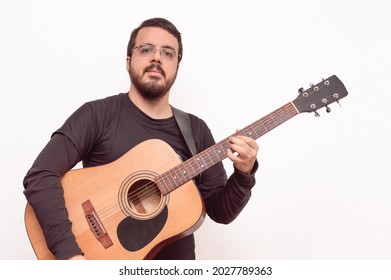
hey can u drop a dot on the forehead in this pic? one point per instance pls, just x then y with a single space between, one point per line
156 36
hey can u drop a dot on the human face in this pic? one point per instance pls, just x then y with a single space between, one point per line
153 74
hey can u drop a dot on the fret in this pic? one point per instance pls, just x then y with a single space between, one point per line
168 183
200 162
175 176
269 124
271 117
182 173
261 128
185 174
190 169
292 111
158 182
194 163
219 152
252 132
280 116
276 118
200 159
210 160
224 144
282 112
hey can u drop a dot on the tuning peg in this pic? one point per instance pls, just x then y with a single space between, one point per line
311 84
328 109
316 114
301 90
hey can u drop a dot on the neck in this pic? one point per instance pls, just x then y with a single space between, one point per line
156 109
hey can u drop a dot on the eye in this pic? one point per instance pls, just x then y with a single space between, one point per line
145 49
167 52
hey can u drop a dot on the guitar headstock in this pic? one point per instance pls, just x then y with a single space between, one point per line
321 95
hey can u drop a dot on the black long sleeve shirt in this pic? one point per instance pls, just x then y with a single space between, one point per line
100 132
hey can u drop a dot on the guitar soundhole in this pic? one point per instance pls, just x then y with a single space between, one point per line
144 197
140 197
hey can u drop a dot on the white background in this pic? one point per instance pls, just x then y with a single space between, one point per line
323 187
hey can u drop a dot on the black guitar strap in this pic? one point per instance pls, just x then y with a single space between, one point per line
183 121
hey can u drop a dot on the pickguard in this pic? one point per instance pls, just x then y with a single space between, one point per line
135 234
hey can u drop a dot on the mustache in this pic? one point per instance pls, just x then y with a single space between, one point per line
157 67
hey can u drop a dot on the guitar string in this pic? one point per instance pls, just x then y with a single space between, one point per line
141 193
276 112
152 187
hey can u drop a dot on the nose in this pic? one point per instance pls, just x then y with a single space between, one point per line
156 56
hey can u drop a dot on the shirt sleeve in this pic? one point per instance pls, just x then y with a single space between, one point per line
228 200
43 189
45 194
224 198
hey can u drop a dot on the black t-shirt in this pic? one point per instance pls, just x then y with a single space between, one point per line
100 132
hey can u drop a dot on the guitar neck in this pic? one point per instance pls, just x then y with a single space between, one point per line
194 166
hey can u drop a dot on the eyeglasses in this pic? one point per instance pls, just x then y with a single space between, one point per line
147 50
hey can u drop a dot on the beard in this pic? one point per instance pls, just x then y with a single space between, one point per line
151 90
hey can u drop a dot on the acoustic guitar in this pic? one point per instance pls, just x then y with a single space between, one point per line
134 206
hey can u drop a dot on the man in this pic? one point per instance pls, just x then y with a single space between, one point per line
101 131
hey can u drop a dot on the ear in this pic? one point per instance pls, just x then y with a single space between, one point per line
128 60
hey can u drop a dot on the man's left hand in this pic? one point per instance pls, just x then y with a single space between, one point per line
243 152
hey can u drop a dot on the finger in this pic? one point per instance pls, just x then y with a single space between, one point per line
243 165
249 141
243 145
233 156
240 150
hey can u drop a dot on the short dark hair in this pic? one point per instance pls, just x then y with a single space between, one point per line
157 22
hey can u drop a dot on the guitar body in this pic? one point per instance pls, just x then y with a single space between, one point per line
117 210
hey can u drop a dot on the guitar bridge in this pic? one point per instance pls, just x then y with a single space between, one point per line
96 225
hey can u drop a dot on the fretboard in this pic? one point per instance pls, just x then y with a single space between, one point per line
191 168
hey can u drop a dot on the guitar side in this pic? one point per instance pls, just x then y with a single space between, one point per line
107 188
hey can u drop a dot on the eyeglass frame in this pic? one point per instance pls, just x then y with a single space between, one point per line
154 50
